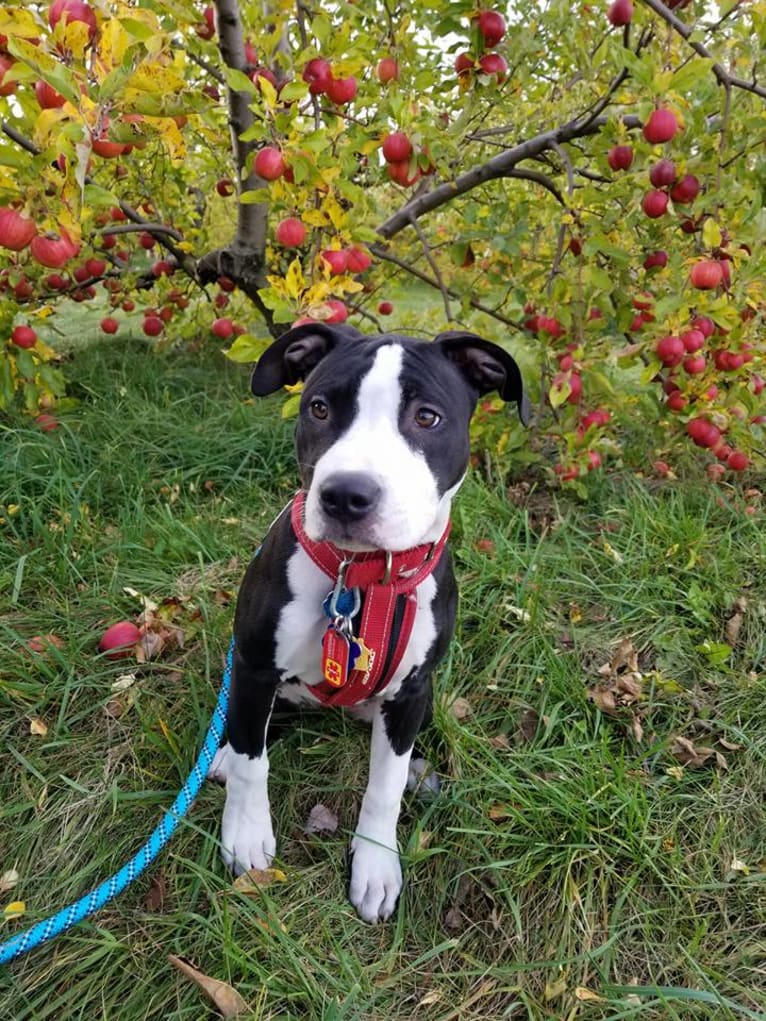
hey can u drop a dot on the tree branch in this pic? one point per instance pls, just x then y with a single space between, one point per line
499 166
382 252
684 30
252 218
434 268
150 228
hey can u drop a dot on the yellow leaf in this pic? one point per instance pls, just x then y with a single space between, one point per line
335 211
37 727
711 233
113 42
587 995
250 882
14 909
294 282
16 22
315 218
555 989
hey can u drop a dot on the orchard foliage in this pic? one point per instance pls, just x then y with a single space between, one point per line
589 180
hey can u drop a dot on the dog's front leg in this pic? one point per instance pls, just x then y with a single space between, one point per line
247 836
376 873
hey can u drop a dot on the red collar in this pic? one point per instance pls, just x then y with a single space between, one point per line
387 583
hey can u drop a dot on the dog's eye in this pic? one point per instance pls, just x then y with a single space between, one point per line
319 409
427 418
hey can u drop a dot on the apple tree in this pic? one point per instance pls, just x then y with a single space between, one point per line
588 179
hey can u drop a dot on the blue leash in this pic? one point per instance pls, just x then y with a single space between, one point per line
98 897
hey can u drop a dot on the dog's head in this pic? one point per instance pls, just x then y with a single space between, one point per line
382 435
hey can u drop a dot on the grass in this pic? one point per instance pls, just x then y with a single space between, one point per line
564 862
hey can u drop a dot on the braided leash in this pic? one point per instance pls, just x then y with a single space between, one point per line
98 897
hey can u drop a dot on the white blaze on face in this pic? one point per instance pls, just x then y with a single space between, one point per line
410 510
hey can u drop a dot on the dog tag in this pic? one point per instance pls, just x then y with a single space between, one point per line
336 656
363 660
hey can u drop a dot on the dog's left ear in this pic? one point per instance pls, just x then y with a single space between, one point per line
486 366
294 355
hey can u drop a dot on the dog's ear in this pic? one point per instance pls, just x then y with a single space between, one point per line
486 366
295 353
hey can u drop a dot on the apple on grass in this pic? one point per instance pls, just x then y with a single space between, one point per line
118 641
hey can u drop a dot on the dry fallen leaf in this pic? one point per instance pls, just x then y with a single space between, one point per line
555 988
8 880
123 682
461 708
321 820
736 617
587 995
689 754
36 726
154 901
250 882
500 741
225 998
620 687
430 998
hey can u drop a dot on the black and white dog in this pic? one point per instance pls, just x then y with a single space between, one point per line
352 598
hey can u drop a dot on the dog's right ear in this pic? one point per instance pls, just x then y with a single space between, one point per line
295 353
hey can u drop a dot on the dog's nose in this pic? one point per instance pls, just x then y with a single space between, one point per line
349 496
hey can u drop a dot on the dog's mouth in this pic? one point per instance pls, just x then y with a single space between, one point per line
357 538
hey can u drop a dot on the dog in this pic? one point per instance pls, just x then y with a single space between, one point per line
351 599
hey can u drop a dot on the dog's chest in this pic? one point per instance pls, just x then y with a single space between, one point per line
302 623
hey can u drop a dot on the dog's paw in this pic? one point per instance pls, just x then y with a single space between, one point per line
247 841
376 880
217 770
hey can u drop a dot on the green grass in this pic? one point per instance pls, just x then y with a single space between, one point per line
561 855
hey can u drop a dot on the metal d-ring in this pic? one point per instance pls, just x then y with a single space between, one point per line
389 567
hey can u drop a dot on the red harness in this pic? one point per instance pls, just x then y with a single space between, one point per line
382 578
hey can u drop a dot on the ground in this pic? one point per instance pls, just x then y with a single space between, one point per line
578 847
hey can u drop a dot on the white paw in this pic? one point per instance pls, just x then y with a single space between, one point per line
217 770
376 879
247 840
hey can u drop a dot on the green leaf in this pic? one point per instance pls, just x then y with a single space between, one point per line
95 195
291 405
238 81
715 653
247 348
254 197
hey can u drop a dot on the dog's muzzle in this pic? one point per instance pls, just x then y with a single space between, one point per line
348 497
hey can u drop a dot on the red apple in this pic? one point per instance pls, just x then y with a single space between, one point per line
52 251
225 187
387 70
670 350
96 267
7 88
359 259
493 64
491 27
162 268
396 147
290 232
336 259
620 12
661 126
206 29
655 204
118 640
47 96
128 305
703 432
738 461
269 163
662 174
109 325
385 308
222 328
686 190
706 275
16 231
341 90
46 422
659 258
23 336
693 340
404 173
318 74
676 401
153 326
146 240
695 364
620 157
339 312
464 63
